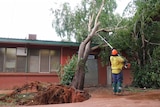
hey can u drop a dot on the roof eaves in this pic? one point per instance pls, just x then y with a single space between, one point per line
38 42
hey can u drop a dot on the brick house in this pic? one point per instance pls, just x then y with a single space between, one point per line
26 60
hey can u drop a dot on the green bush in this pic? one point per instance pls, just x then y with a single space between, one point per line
149 74
67 72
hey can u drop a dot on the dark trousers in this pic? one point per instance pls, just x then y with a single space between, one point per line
117 82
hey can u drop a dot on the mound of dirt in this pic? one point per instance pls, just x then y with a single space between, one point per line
59 94
43 93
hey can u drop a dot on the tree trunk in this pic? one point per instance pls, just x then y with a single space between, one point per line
79 77
83 52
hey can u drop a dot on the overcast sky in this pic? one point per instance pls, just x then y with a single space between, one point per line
18 18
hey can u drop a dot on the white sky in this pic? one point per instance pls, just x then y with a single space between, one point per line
18 18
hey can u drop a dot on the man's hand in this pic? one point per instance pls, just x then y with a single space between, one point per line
127 65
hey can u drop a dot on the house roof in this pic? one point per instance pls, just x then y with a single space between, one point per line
37 42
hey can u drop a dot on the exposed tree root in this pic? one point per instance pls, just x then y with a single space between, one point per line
45 93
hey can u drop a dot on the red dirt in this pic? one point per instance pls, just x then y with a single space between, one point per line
103 97
43 94
139 95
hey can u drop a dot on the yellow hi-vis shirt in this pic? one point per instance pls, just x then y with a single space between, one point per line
117 63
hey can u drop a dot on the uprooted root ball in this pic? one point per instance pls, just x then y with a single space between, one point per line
46 94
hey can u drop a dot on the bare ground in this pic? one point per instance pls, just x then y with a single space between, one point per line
103 97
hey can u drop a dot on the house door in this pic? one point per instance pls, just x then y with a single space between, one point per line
91 77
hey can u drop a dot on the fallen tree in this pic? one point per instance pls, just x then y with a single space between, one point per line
38 93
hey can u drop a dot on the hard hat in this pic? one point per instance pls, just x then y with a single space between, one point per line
114 52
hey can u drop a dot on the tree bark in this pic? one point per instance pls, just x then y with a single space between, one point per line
83 52
143 40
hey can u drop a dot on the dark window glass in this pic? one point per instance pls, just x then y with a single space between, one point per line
34 60
21 64
44 61
2 53
10 65
54 60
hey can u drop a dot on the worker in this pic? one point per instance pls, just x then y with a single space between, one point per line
117 64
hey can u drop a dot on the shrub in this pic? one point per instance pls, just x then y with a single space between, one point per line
149 74
67 71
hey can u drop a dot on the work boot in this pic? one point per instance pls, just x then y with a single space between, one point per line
119 87
114 88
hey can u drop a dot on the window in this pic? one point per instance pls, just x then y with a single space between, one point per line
54 60
10 64
21 59
2 53
49 60
21 64
34 60
44 61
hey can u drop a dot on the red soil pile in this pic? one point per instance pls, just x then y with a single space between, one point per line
43 93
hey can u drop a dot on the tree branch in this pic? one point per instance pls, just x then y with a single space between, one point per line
81 50
110 29
150 58
151 42
96 47
87 50
119 23
100 10
83 44
92 33
90 22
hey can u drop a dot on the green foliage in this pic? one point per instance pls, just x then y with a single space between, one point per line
74 23
156 53
104 55
147 76
64 21
150 8
67 72
146 40
146 50
152 32
139 39
121 39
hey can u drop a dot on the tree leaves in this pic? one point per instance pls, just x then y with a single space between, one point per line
73 23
